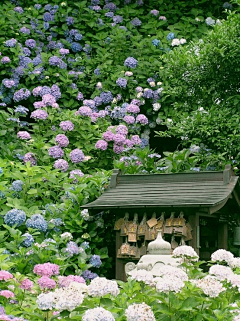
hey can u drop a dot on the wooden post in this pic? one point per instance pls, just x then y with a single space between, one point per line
193 220
223 236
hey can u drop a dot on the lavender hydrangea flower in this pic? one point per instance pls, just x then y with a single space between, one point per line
21 110
106 97
70 21
25 30
84 111
76 172
121 82
131 62
8 83
108 135
97 72
63 51
79 96
136 140
62 140
148 93
39 114
119 139
72 248
136 22
5 60
133 109
67 125
76 155
23 135
154 12
17 185
118 149
129 119
56 152
31 43
21 94
48 100
110 6
61 164
30 157
101 144
48 17
162 18
142 119
117 19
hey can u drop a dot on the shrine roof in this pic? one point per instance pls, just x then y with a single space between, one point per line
210 189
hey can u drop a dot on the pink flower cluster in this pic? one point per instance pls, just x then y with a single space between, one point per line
5 275
26 285
46 283
64 281
46 269
7 294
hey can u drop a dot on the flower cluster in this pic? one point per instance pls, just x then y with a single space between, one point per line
37 222
100 286
97 314
139 312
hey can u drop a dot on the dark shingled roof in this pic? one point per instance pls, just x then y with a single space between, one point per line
195 189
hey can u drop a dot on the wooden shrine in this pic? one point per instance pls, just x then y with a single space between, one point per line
190 208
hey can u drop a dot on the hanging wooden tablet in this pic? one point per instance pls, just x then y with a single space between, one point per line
168 226
189 232
150 234
133 251
143 249
124 249
142 226
153 221
124 226
118 224
160 222
132 229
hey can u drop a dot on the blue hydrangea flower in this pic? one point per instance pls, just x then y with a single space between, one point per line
72 248
15 217
170 36
106 97
88 275
131 62
17 185
28 241
21 110
121 82
85 245
76 47
156 42
37 222
2 195
95 261
1 170
97 72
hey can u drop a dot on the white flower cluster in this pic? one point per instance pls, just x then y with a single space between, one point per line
222 256
97 314
66 236
156 106
139 312
234 263
166 284
101 286
171 271
234 279
210 286
185 251
177 42
63 299
221 272
142 275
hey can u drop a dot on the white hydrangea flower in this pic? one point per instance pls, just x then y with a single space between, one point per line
156 106
185 252
209 21
142 275
152 84
66 236
234 279
172 271
97 314
222 255
175 42
100 286
182 41
167 283
234 263
210 286
139 95
45 301
139 312
221 272
158 120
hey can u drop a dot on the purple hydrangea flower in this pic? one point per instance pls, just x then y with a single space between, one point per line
136 140
31 43
18 10
89 102
110 6
11 43
84 111
136 22
154 12
37 6
55 91
97 72
5 60
76 47
162 18
131 62
102 113
128 143
8 83
88 275
122 130
38 104
118 149
37 91
54 61
48 100
109 14
48 17
76 155
30 157
72 248
108 135
62 140
70 21
148 93
76 172
79 96
56 152
67 125
101 144
61 164
129 119
117 19
119 139
21 94
98 101
136 102
63 51
133 109
25 30
23 135
121 82
142 119
95 261
106 97
39 114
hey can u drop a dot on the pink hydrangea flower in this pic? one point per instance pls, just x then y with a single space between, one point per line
5 275
46 269
66 125
46 283
101 144
26 285
23 135
7 294
64 281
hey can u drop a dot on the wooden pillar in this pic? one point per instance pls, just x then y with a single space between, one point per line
193 220
223 236
120 263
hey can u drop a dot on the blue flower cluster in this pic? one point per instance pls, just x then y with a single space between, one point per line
88 275
15 217
37 222
28 241
17 186
95 261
